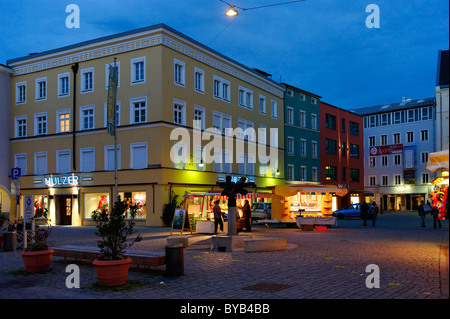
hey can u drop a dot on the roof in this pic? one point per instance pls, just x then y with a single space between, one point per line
137 31
405 104
442 76
300 90
339 108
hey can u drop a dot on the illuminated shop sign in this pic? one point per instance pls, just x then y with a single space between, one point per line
61 180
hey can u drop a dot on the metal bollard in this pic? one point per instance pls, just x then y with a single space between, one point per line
174 259
8 241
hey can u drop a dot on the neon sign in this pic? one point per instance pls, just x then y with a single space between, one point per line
61 180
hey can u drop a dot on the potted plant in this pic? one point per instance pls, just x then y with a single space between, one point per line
37 257
113 229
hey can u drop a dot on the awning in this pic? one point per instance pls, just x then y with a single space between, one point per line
217 195
291 190
437 160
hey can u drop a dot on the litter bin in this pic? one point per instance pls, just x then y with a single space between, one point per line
174 259
8 241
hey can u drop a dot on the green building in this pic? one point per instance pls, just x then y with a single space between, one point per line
302 135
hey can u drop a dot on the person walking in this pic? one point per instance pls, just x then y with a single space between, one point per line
436 220
364 212
422 213
374 211
217 217
246 210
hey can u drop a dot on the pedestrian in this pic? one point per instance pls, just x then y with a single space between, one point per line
246 210
436 220
364 212
217 217
422 213
374 211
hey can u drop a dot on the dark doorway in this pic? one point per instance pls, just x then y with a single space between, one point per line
63 206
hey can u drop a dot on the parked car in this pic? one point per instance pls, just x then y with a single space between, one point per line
261 210
354 210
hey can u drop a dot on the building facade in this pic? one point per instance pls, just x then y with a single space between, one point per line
302 135
398 138
342 149
169 85
442 101
5 134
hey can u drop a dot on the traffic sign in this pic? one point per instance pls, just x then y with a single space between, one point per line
15 173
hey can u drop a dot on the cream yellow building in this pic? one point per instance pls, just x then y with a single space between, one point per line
166 80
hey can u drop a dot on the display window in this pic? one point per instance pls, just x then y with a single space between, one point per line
95 202
306 202
136 198
41 206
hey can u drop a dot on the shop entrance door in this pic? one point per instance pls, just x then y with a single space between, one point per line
63 206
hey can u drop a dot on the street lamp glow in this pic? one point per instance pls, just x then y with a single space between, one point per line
231 12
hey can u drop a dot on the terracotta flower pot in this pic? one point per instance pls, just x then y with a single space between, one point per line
37 261
112 272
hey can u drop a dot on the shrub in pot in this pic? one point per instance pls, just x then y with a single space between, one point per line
114 228
37 257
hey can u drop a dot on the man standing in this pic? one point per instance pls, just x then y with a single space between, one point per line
217 217
422 213
246 210
364 212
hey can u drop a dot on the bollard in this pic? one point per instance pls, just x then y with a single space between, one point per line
8 241
174 259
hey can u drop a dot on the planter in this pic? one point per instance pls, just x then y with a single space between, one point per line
112 272
37 261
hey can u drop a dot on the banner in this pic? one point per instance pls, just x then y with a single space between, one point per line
111 103
386 149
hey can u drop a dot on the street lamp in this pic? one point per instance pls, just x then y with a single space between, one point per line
232 12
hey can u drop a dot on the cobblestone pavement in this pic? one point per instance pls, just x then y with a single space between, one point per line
413 264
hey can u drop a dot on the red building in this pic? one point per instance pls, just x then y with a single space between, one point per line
341 153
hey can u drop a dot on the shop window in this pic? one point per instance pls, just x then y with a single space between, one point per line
41 206
95 202
135 198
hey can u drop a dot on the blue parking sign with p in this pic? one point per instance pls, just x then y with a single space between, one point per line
15 173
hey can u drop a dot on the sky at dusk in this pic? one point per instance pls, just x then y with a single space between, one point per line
321 46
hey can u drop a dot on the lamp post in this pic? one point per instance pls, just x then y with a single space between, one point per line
232 12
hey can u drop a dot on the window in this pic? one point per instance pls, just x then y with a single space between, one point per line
246 164
107 73
21 92
290 93
63 84
273 108
179 112
330 173
110 157
290 145
290 115
20 126
344 174
425 178
302 119
290 173
344 149
396 138
385 180
313 100
262 104
397 159
198 158
222 161
397 179
314 174
410 137
314 149
199 80
87 80
40 163
385 119
372 180
427 113
138 110
384 160
221 88
63 161
354 175
424 157
20 161
354 128
330 121
199 117
302 97
222 122
87 117
383 139
138 155
245 98
138 70
248 129
302 147
330 146
314 121
424 135
354 151
371 140
262 135
302 173
179 72
41 89
87 159
372 161
40 124
410 114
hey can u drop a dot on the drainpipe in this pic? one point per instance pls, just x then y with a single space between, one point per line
75 71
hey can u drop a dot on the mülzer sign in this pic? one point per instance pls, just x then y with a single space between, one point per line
62 180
